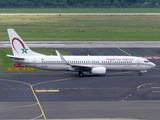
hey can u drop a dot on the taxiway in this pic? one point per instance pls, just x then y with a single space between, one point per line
64 95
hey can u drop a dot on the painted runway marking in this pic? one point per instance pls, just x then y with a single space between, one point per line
102 119
156 91
156 87
143 85
156 68
54 81
124 51
46 90
120 73
20 106
34 93
40 90
32 89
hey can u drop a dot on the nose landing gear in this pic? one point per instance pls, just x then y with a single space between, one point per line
140 74
81 74
142 71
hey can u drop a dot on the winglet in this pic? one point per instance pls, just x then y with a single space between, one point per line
62 58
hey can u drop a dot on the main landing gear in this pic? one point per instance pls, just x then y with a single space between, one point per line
81 74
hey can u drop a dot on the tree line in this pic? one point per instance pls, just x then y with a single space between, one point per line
78 3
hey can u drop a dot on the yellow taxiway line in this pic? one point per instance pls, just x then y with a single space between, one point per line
32 89
123 51
46 90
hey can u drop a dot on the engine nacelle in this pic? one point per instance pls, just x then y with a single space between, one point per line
98 70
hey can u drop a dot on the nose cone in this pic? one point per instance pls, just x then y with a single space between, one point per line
153 65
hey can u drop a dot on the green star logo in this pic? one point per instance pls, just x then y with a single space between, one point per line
24 50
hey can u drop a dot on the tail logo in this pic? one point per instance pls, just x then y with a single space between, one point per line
24 50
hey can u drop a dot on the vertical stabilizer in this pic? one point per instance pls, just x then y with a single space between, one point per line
19 48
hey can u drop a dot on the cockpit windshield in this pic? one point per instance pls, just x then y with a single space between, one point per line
146 61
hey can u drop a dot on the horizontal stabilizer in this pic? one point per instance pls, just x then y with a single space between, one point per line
15 57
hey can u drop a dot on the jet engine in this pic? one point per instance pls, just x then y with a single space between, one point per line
98 70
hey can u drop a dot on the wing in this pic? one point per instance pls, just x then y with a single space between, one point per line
81 68
74 67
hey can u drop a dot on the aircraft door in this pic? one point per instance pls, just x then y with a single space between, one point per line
34 62
138 63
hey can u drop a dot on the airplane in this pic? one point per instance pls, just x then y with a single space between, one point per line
98 65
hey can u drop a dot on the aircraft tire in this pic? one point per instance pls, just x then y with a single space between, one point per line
140 74
81 74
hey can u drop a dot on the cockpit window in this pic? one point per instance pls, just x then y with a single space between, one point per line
146 61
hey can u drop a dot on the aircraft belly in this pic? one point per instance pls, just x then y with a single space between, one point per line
126 67
60 67
142 67
120 67
54 67
49 67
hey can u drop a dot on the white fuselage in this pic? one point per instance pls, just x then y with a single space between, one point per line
109 62
94 64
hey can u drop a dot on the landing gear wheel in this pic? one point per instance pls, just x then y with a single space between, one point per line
140 74
80 73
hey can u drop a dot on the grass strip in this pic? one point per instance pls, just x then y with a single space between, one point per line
80 10
82 28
